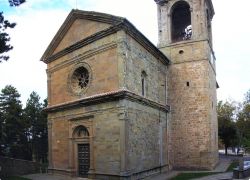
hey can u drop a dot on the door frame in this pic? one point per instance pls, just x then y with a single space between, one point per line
78 172
73 145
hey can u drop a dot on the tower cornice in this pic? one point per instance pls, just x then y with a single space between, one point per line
161 2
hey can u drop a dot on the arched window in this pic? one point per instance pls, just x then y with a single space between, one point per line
181 22
80 132
143 83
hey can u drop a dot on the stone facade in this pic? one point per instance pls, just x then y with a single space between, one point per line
191 87
109 91
124 128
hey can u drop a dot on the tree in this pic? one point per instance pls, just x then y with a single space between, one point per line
13 140
4 36
16 2
37 123
247 97
227 126
243 121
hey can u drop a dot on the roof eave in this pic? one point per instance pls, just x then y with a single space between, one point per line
127 27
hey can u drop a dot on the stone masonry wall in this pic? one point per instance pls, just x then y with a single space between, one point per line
127 137
192 97
136 60
104 126
147 137
190 115
101 58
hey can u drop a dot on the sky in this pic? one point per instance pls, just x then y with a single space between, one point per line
39 20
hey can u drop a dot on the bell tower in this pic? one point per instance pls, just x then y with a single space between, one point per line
185 37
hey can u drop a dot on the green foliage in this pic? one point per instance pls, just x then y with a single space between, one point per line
227 126
247 97
233 119
233 165
243 121
13 137
186 176
37 123
23 131
4 36
16 2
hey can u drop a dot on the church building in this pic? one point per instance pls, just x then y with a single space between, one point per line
121 108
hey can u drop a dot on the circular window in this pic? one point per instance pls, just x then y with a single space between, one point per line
79 80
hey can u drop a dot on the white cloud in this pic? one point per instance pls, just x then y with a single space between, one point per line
30 38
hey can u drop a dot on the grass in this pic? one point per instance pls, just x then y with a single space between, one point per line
233 165
186 176
15 178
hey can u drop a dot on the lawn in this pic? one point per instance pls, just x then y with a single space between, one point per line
233 165
185 176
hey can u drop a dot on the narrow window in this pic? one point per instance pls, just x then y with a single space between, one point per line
181 22
188 83
143 83
143 86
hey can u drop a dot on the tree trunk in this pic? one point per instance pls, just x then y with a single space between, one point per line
226 149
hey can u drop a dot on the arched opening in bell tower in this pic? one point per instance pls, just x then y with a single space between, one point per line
181 28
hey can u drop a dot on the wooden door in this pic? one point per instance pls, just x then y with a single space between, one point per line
83 160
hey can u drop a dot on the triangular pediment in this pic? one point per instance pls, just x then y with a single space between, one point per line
78 26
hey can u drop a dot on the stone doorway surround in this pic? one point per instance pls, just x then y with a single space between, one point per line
80 132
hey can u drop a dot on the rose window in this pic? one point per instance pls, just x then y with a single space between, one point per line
80 79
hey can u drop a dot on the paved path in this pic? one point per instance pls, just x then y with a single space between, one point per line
222 167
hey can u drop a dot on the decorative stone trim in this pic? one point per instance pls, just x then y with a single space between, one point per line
119 24
79 91
106 97
161 2
210 4
82 43
81 57
82 118
73 15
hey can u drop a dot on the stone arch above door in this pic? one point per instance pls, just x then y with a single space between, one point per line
80 132
80 138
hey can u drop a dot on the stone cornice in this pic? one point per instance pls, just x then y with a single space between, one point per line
211 7
78 14
82 43
161 2
140 38
108 97
87 54
118 24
